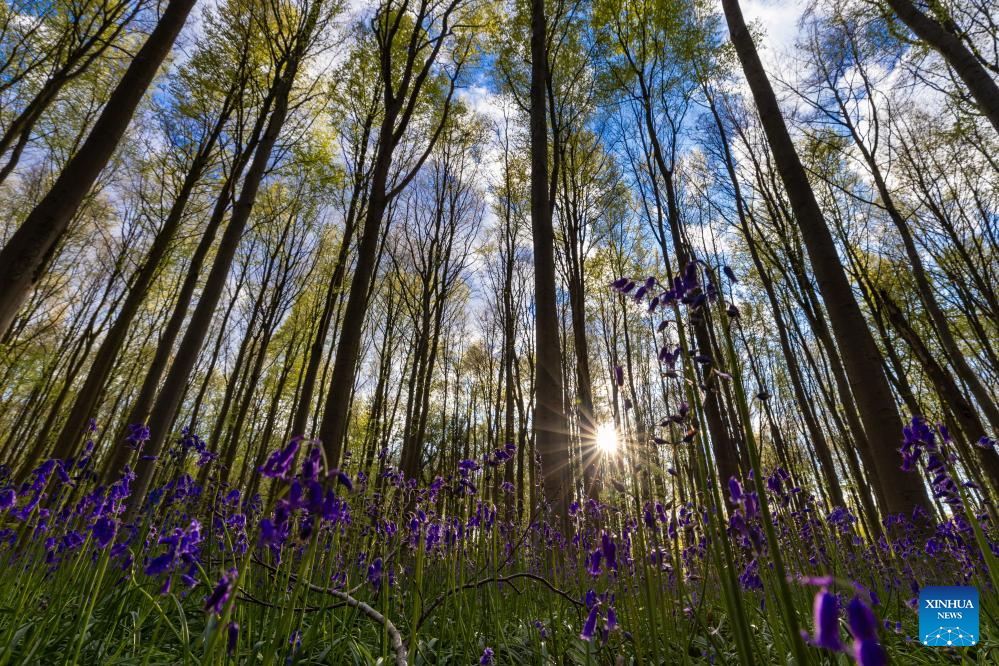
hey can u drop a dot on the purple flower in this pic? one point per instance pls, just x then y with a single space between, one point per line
540 626
593 563
826 614
312 464
104 531
72 540
619 283
182 547
7 499
345 481
159 564
864 627
750 577
375 574
590 626
279 463
233 631
734 490
609 549
466 467
669 358
487 657
215 602
137 436
869 653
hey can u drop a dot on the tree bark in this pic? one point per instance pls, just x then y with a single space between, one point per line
950 394
549 418
100 368
168 399
26 253
861 357
399 103
956 53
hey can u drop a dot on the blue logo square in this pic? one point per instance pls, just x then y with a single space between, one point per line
948 616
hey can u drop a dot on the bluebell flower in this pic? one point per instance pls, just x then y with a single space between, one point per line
279 462
215 602
138 434
312 464
104 531
609 549
542 631
345 481
864 628
826 618
590 626
8 498
593 563
375 574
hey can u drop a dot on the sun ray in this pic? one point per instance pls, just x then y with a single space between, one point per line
606 437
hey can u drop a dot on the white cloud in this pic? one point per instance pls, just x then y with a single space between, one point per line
779 19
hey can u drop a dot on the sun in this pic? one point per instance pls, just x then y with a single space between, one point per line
607 438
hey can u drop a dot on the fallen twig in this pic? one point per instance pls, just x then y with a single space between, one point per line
395 638
500 580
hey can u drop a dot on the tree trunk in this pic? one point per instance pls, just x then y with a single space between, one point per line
25 254
963 369
335 288
100 368
861 357
950 394
397 114
549 418
956 53
168 399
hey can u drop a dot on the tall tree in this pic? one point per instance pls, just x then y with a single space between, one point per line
209 134
362 77
943 35
411 40
550 430
23 258
443 211
293 36
68 40
861 355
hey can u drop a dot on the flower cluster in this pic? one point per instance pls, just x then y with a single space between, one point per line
866 648
596 607
917 437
